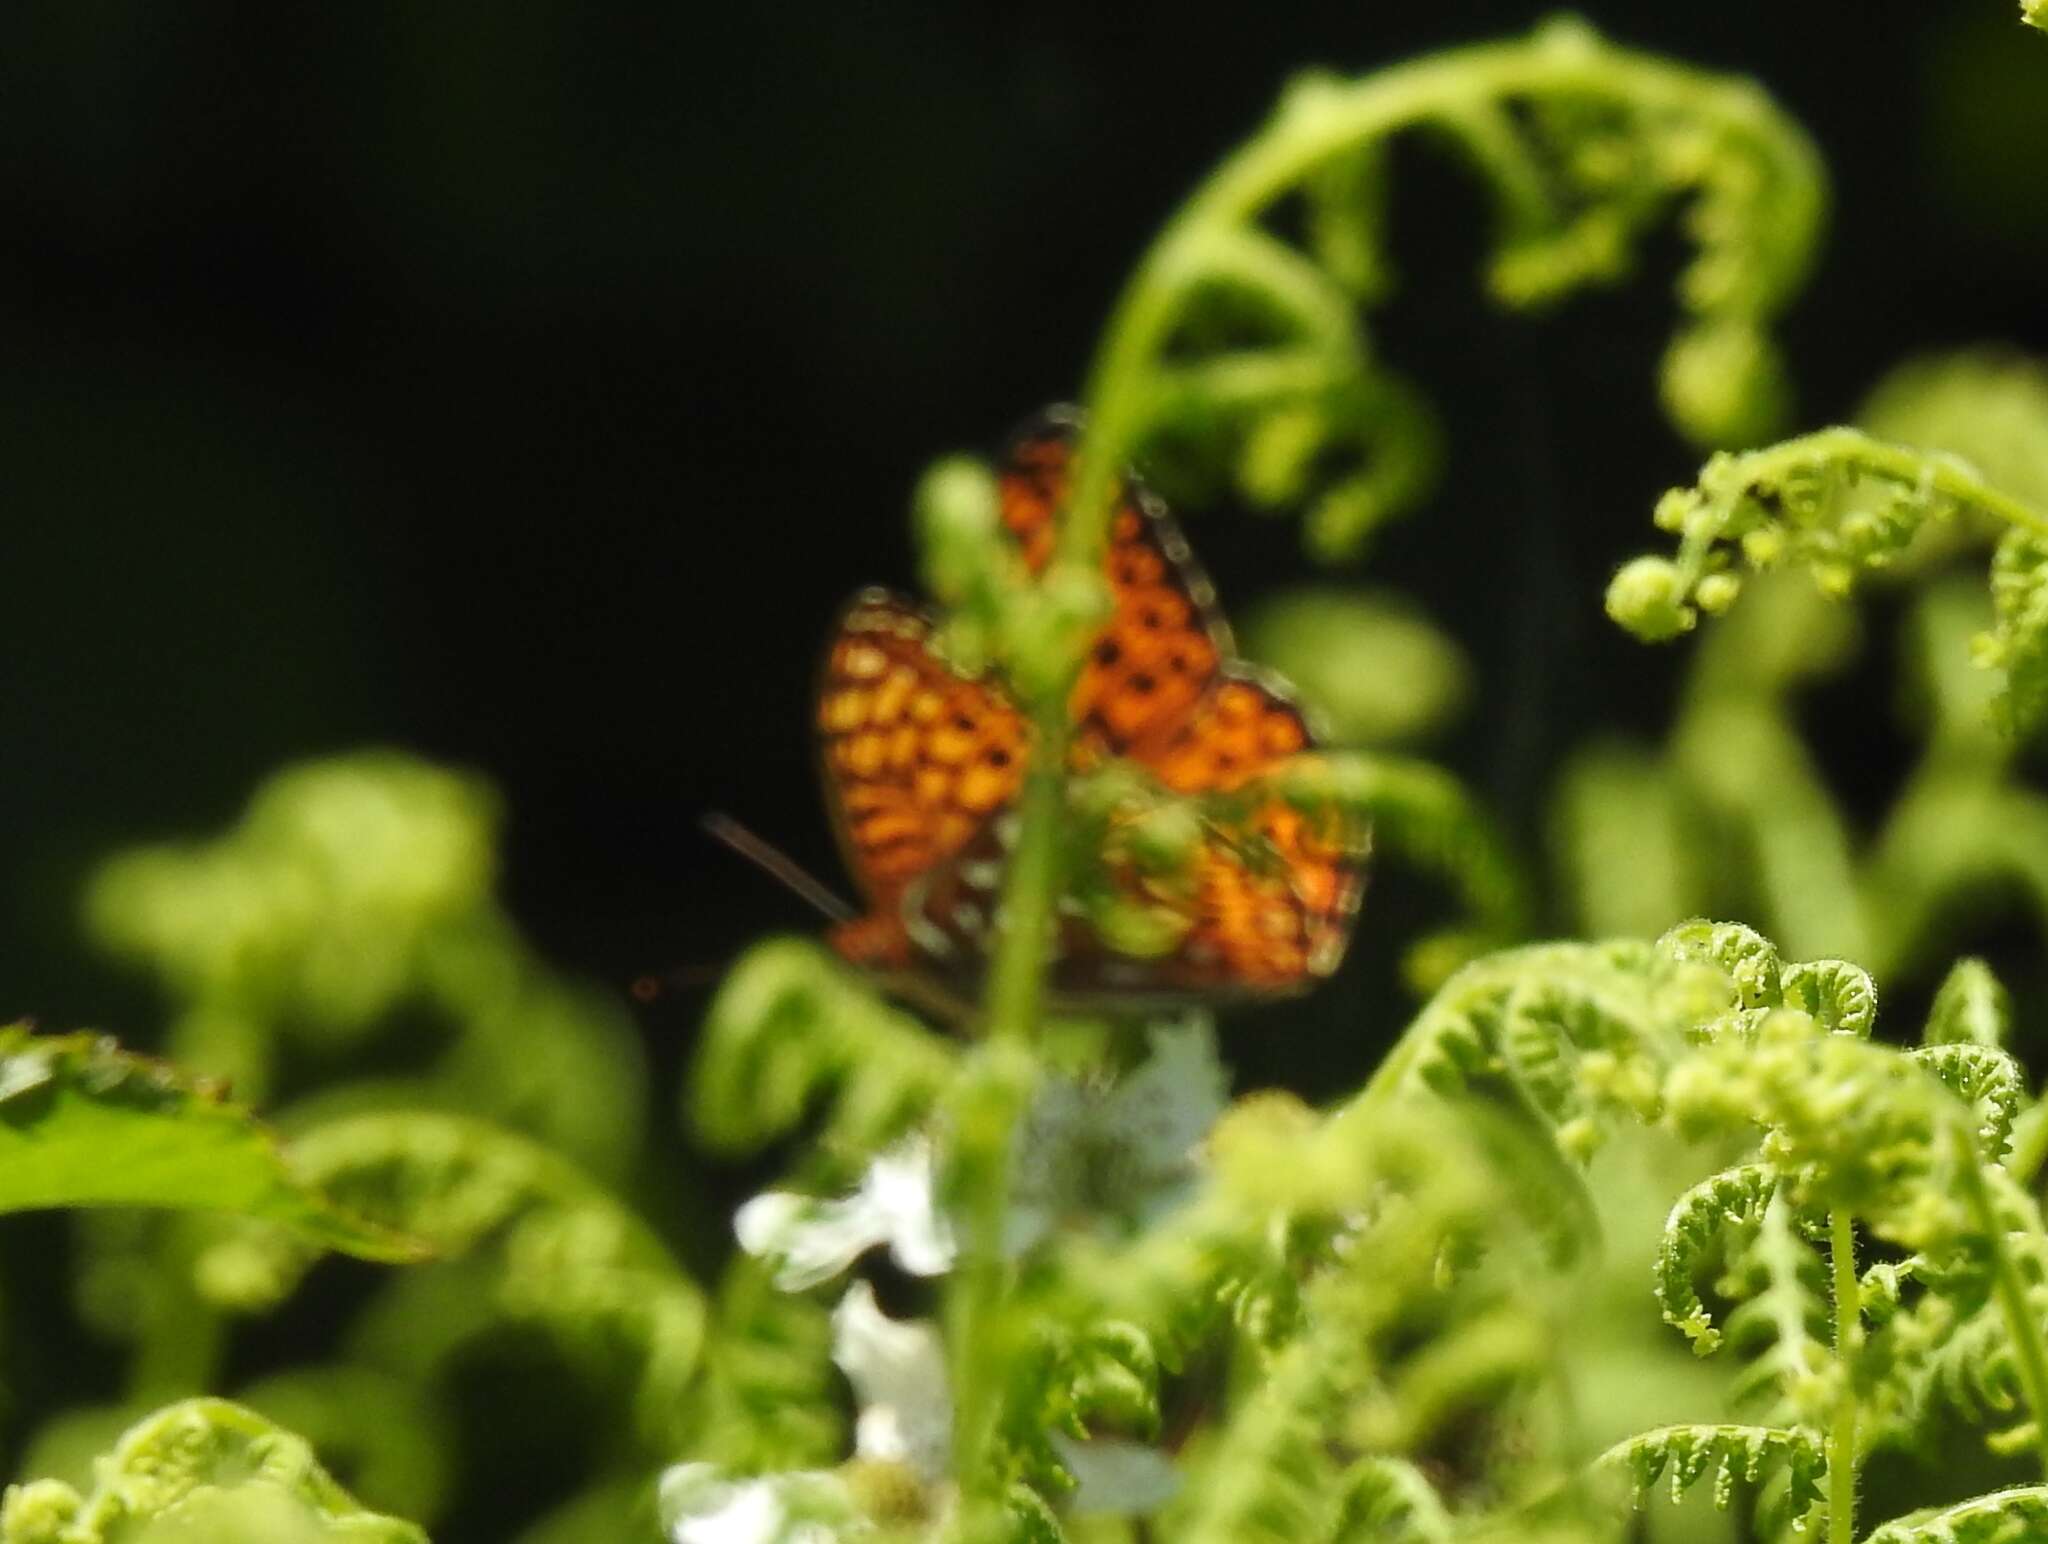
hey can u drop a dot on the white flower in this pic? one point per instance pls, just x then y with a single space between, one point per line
815 1240
699 1504
1126 1152
1115 1478
898 1373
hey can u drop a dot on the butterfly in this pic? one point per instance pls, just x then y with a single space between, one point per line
922 764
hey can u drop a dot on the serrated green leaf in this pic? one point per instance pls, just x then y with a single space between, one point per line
84 1123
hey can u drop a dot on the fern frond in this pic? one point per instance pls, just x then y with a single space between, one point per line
1778 1278
1839 996
1731 1202
1852 1125
2018 640
529 1239
1985 1078
1234 339
1388 1500
1971 1008
791 1024
203 1468
1748 958
1838 503
2012 1516
1269 1477
1729 1453
769 1398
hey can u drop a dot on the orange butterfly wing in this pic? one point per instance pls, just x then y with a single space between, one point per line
1274 893
916 758
920 764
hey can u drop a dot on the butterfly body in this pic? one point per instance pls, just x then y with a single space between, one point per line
923 763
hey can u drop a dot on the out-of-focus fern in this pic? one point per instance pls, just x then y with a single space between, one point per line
791 1027
767 1400
1232 335
384 1434
2003 1517
531 1240
1726 1453
1735 813
203 1469
353 896
1390 1499
1972 1008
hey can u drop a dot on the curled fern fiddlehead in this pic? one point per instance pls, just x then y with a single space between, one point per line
1836 503
1582 146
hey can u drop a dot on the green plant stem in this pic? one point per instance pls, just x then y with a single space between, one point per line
994 1091
1895 464
2020 1324
1311 127
1848 1341
1314 125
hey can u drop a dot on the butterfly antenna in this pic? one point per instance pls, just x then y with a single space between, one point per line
776 864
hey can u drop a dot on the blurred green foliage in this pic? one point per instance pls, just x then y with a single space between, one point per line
1420 1314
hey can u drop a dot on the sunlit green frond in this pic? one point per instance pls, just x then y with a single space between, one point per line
1390 1501
1972 1008
83 1123
1689 1454
791 1026
202 1470
1729 1205
1985 1078
2002 1517
528 1239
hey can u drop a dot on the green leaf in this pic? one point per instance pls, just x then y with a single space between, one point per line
201 1472
2018 640
1972 1008
1729 1453
1375 668
83 1123
2002 1517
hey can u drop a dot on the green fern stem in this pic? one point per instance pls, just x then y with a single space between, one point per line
2020 1324
1854 454
1215 228
990 1100
1328 118
1848 1341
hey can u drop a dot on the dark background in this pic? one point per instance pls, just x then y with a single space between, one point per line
526 384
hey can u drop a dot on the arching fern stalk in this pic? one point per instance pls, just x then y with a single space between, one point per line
1582 146
1837 503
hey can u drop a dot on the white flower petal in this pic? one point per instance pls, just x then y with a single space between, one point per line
901 1187
1170 1100
699 1504
898 1373
1115 1478
810 1240
813 1240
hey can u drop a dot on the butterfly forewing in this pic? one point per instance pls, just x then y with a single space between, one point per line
916 757
1165 640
